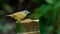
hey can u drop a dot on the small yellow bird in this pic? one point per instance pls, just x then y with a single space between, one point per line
19 15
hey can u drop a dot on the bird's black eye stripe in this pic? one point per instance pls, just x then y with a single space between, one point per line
25 12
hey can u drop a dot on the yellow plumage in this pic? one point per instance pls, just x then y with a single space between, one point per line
19 15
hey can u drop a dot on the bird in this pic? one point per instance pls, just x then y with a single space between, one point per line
19 16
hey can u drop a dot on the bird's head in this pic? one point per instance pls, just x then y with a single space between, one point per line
26 12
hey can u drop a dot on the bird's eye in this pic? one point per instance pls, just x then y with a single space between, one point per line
25 12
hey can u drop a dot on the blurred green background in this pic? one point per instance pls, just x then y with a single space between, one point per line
47 11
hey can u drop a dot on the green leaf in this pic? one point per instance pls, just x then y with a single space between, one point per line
50 1
8 8
40 11
57 5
